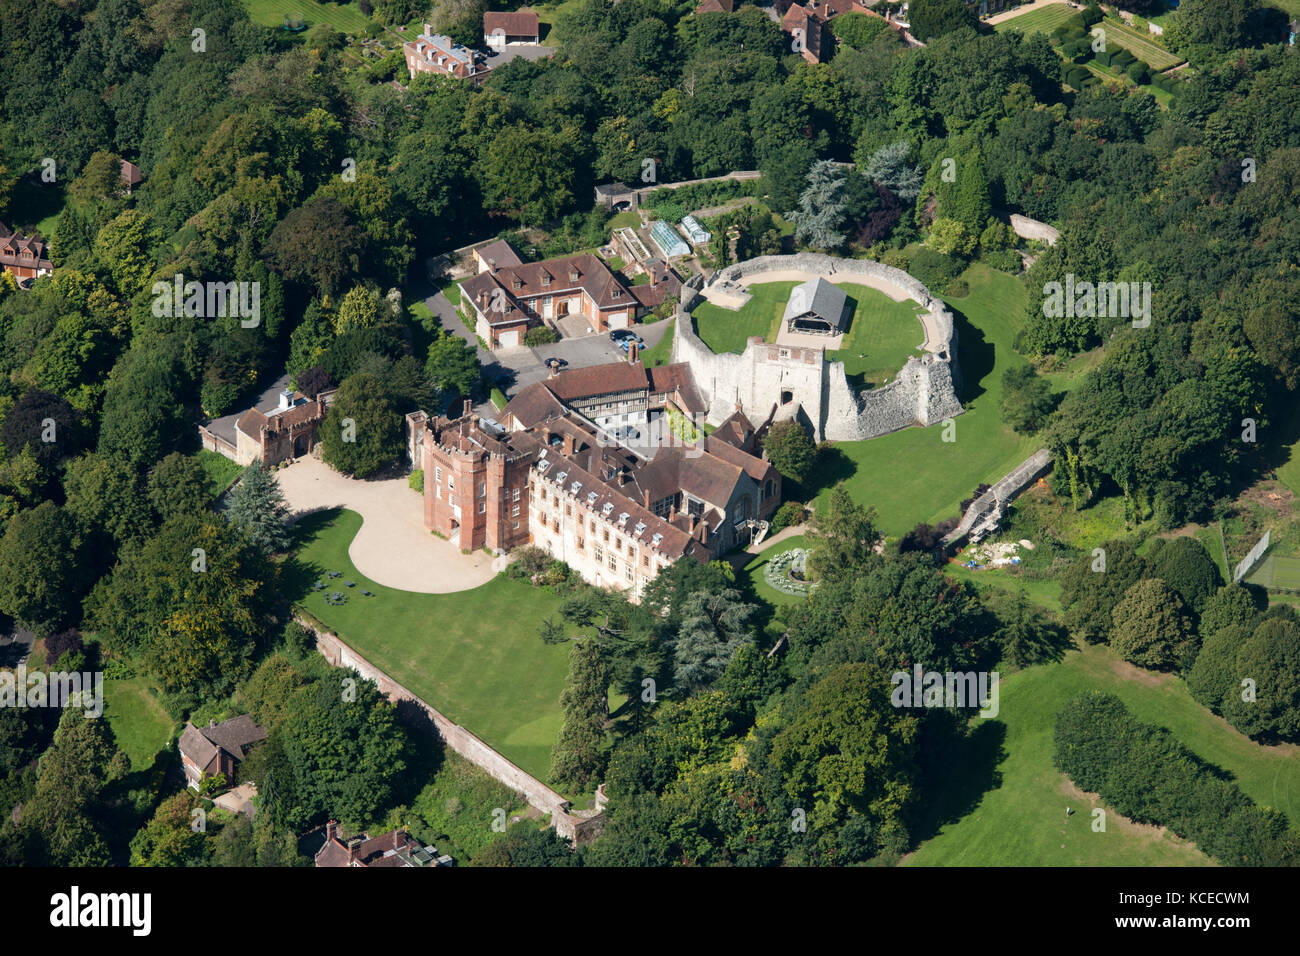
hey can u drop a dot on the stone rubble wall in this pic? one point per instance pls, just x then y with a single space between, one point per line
923 393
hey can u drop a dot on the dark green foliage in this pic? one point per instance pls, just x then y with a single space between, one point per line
362 432
178 485
1147 775
1094 583
1027 399
790 449
42 577
1185 565
577 757
256 506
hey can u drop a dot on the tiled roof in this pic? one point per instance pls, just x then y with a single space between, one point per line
574 385
677 377
755 467
522 23
501 251
233 736
531 405
550 277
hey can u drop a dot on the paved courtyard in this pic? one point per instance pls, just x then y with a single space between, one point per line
392 548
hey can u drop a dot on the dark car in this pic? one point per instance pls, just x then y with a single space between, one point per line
556 363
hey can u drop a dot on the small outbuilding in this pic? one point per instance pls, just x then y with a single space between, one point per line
816 307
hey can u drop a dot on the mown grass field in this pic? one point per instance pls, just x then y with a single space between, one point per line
1277 571
1042 20
344 17
139 723
882 336
882 333
474 655
1144 46
1018 818
913 475
724 330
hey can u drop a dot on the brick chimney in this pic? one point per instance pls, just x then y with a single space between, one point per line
468 407
331 830
647 499
568 445
354 848
704 532
631 352
492 264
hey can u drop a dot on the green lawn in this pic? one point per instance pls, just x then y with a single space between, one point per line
1045 592
35 208
662 352
883 335
1145 46
344 17
1277 571
724 330
753 572
1020 818
1042 20
139 723
220 469
913 475
474 655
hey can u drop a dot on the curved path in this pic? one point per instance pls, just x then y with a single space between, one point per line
393 548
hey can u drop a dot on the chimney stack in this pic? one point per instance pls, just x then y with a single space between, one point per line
467 408
492 264
331 830
647 499
631 352
568 445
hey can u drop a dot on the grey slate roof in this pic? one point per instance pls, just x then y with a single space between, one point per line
819 297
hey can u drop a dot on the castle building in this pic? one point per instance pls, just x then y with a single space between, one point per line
552 477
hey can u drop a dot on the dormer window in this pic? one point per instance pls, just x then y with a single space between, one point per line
617 293
517 283
573 275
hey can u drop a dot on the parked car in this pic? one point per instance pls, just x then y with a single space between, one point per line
628 433
624 338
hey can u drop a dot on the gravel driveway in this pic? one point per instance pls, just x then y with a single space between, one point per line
393 547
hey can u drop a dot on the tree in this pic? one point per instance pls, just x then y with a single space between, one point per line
46 424
169 839
1027 399
857 29
791 450
931 19
1270 659
105 496
362 432
453 364
257 508
360 309
42 577
577 757
319 244
847 750
845 535
1185 566
70 782
1024 635
889 167
178 485
1149 628
822 207
191 604
713 628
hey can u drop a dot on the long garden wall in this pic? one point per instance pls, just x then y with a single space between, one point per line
767 376
580 828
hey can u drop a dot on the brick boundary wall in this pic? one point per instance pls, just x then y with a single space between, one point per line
581 828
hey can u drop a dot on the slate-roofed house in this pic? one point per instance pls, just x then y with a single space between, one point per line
818 307
217 748
507 298
25 257
395 848
520 28
664 284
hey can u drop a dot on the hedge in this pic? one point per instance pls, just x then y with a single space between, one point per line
1077 77
1139 72
1123 58
1146 774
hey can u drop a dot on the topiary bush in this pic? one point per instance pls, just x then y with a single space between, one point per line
1139 72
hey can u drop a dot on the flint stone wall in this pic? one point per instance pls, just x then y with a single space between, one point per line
924 391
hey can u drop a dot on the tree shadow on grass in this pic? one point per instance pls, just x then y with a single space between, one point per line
958 773
975 356
296 574
832 467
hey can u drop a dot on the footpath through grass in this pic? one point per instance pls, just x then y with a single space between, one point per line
474 655
913 475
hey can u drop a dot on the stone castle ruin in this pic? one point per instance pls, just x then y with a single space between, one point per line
776 381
